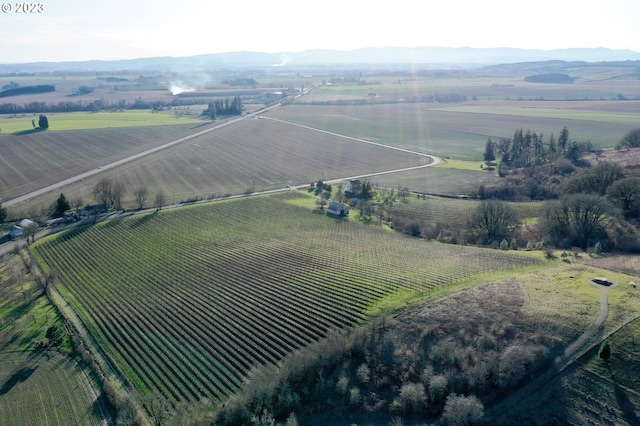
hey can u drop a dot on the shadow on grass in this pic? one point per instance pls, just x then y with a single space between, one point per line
626 406
143 219
30 131
19 376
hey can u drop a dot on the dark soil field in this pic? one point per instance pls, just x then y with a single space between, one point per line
249 156
35 160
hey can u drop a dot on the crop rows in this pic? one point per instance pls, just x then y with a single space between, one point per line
32 161
45 390
186 302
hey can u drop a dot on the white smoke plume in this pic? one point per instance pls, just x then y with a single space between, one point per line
178 87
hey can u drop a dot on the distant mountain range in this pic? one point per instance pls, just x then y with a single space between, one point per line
396 57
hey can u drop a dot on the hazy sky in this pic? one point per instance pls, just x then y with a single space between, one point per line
122 29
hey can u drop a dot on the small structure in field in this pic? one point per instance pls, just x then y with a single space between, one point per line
91 211
602 281
15 231
353 188
336 208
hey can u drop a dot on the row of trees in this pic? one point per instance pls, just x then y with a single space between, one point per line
592 205
528 148
111 192
93 106
225 107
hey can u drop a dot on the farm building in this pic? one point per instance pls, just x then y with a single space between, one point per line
338 209
26 223
353 187
16 231
91 211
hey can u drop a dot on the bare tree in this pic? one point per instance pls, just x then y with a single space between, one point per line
493 220
630 140
117 193
140 195
102 192
159 408
160 199
578 220
625 194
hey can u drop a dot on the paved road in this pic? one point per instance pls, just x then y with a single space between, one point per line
109 166
58 185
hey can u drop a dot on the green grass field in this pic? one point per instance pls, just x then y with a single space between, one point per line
96 120
457 131
438 210
204 293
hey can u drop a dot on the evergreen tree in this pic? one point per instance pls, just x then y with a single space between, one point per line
605 351
563 139
62 205
212 111
552 148
489 152
43 122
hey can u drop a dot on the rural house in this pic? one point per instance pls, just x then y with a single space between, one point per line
91 211
338 209
353 187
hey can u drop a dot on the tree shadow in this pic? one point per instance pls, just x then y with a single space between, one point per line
626 406
30 131
19 376
143 219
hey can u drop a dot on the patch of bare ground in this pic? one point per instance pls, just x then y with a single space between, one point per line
627 158
626 264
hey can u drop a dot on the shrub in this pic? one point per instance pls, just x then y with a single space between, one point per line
342 385
605 351
412 398
363 374
597 249
462 410
438 389
354 396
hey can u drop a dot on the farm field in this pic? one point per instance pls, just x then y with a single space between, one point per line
483 84
35 160
459 131
434 210
438 179
186 302
99 120
42 387
252 155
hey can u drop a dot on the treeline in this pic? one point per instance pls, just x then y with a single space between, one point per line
241 82
27 90
92 106
444 98
528 148
553 78
590 206
225 106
